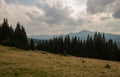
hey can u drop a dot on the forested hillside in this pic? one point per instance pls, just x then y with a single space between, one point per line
13 37
94 47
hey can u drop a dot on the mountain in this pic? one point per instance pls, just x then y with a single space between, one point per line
82 35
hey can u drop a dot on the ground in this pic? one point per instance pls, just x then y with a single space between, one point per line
19 63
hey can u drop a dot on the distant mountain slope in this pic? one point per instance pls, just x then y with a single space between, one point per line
82 35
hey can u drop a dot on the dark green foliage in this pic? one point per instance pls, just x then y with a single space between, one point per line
32 45
10 37
94 47
107 66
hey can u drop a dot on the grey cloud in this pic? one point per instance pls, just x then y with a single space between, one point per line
55 15
1 3
102 6
104 18
116 13
97 6
24 2
114 26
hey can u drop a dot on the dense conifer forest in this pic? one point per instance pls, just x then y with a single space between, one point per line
13 37
94 47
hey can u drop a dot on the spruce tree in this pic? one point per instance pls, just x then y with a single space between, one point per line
20 37
32 45
24 39
0 34
5 30
66 44
17 36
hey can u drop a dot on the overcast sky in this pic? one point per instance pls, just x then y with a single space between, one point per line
62 16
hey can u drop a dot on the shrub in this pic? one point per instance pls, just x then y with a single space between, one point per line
83 61
107 66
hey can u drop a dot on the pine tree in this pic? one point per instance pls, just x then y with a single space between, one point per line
74 47
20 37
32 45
0 34
24 39
17 36
66 44
5 33
5 30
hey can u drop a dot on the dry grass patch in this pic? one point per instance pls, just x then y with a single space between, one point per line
19 63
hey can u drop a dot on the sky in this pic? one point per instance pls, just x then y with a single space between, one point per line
49 17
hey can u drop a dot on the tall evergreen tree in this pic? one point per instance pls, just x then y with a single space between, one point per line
17 36
32 45
67 44
21 37
0 34
5 29
24 39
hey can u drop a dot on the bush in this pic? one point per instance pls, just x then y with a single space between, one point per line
43 52
107 66
83 61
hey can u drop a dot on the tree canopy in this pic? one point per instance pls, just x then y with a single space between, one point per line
13 37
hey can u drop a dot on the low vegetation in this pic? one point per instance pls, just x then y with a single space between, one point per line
19 63
107 66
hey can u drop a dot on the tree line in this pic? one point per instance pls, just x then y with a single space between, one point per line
14 37
94 47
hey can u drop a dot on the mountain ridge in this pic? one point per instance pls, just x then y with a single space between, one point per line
82 35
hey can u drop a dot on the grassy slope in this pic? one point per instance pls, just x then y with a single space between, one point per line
19 63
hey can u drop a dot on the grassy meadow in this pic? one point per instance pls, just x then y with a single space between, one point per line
19 63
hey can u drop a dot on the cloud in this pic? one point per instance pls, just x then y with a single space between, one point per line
113 25
98 6
37 18
116 13
15 12
56 13
104 18
103 6
56 18
61 16
2 3
23 2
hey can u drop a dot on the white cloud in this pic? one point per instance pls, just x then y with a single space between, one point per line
18 13
62 16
